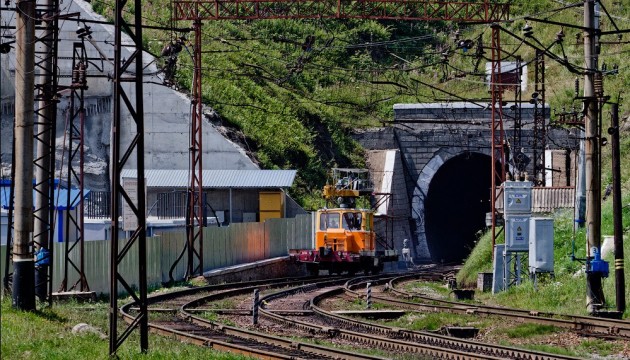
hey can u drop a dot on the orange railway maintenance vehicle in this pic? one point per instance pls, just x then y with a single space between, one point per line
345 240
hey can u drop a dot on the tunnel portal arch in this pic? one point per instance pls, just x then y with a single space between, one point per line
449 204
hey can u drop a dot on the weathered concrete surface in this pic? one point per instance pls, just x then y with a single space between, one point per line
259 270
167 112
391 196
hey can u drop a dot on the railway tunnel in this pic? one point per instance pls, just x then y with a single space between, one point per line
456 205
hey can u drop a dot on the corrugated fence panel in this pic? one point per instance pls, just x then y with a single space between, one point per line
247 242
284 236
168 246
303 232
266 241
289 235
3 254
154 261
178 244
253 242
547 199
275 238
241 246
224 246
218 247
260 235
96 265
233 245
209 237
128 267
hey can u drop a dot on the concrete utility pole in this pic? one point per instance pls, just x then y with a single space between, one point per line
23 264
594 291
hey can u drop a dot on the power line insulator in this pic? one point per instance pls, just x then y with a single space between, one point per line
465 44
82 74
577 87
560 36
528 30
75 75
5 48
598 83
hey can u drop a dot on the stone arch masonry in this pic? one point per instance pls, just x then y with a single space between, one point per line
425 147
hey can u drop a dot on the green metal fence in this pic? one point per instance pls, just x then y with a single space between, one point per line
222 246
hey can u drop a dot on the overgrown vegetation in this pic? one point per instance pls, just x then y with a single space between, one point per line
436 321
528 330
47 334
297 89
566 292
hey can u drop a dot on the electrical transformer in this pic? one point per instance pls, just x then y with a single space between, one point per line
517 232
541 245
517 197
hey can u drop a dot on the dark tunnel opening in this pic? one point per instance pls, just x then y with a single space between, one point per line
456 206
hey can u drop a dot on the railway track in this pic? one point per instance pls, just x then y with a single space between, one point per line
584 325
169 316
395 340
296 304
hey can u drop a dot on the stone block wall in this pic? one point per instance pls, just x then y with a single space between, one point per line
424 148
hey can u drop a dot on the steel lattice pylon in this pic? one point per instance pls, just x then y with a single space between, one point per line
7 281
128 69
194 225
517 144
482 11
76 112
498 140
44 162
540 132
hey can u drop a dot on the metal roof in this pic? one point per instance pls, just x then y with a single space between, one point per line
218 179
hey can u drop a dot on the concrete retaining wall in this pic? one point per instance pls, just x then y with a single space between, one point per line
166 118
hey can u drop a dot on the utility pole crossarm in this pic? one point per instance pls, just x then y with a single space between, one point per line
480 12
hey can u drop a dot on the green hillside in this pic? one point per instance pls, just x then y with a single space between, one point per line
296 89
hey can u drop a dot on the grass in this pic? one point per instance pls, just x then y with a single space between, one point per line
566 292
432 289
584 349
297 108
435 321
47 334
529 330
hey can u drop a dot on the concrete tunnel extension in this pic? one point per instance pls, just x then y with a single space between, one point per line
455 206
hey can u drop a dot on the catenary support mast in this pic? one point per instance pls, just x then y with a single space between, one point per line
479 12
44 210
23 293
128 70
594 291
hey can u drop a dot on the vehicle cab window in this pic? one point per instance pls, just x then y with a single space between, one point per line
352 221
329 221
